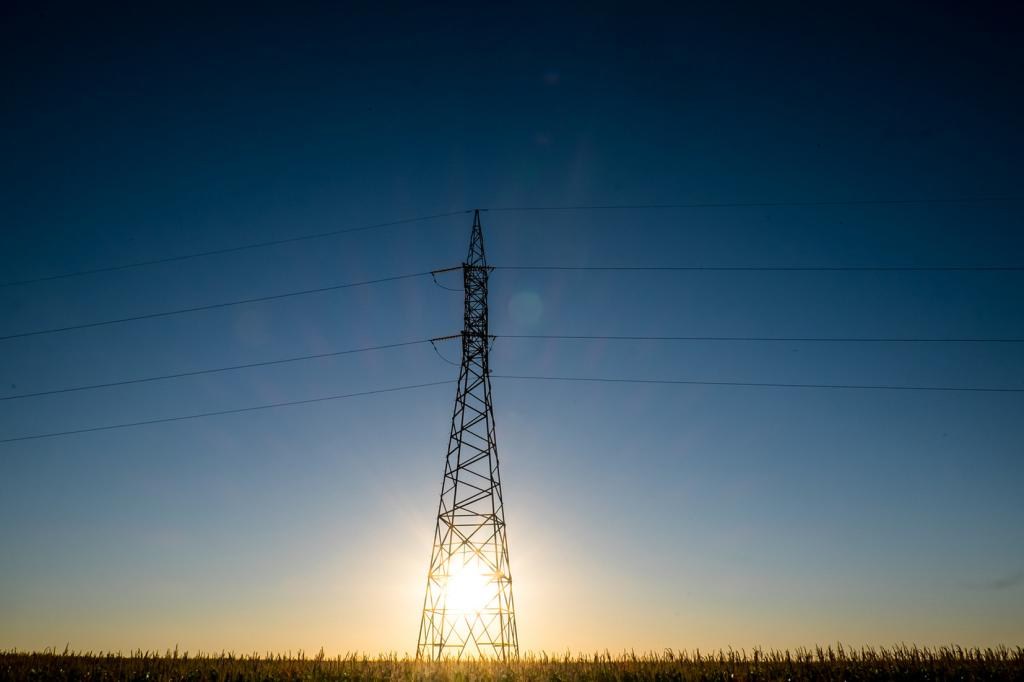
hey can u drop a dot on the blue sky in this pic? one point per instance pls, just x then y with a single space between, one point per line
639 516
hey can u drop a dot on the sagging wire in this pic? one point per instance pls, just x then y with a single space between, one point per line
433 344
435 273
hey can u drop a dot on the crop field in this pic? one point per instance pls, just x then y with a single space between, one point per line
900 663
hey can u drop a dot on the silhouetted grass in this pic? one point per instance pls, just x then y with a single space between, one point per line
900 663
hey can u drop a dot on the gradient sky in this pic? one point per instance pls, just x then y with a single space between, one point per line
639 516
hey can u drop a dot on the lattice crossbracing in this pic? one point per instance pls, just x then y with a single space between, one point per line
468 609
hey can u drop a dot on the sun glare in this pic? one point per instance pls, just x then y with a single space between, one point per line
469 586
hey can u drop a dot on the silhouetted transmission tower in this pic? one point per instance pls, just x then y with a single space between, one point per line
468 609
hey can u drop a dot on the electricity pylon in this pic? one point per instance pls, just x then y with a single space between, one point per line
468 609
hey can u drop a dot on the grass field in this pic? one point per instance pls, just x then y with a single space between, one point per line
900 663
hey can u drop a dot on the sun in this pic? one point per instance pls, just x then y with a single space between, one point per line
469 588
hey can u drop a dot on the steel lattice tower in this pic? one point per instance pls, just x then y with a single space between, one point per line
468 609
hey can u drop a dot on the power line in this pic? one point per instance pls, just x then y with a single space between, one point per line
768 268
305 292
607 380
214 370
231 249
218 413
555 337
794 339
433 344
758 204
335 287
214 306
753 384
591 207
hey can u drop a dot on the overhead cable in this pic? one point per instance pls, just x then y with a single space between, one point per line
231 249
761 384
758 339
574 379
556 337
213 370
761 204
214 306
767 268
579 207
200 415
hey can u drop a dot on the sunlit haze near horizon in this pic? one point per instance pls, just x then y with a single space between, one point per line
640 516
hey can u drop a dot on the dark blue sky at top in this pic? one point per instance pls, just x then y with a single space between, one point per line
133 133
